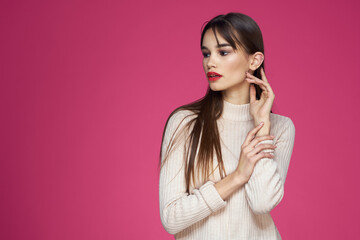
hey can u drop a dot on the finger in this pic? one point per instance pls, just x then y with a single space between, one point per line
261 155
262 73
262 147
249 75
263 77
263 85
252 93
263 80
256 140
252 78
252 134
258 82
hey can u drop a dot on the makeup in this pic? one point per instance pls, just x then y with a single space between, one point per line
213 76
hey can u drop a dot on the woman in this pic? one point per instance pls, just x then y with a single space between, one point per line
224 158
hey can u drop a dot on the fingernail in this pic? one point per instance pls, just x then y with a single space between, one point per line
261 123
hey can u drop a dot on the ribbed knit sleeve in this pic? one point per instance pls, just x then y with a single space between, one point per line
178 209
265 188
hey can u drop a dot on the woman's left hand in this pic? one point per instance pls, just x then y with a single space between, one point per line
260 109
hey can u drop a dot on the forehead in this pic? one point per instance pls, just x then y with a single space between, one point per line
209 39
209 42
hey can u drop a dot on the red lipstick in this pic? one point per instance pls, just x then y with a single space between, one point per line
213 76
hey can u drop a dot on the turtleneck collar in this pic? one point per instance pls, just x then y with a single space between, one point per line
236 112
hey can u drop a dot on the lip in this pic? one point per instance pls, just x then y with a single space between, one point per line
213 78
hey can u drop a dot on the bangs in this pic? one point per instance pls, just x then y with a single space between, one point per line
226 31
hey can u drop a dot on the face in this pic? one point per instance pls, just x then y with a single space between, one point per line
224 60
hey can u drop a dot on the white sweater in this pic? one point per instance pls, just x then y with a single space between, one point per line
203 214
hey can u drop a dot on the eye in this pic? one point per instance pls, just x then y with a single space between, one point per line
205 55
224 53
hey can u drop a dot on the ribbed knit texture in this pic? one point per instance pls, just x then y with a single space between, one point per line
203 214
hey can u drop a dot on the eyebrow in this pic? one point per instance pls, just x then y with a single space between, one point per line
218 46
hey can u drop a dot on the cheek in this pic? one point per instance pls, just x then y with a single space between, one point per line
236 65
233 62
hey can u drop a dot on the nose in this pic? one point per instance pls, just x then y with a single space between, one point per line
211 62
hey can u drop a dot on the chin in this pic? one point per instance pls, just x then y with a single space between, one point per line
215 87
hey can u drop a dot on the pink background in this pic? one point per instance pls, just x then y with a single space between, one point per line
87 86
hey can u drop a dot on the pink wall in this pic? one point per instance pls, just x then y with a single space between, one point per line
87 86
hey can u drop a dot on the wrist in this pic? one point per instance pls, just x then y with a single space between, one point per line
239 178
264 131
258 121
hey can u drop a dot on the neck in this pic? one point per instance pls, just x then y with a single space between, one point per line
238 94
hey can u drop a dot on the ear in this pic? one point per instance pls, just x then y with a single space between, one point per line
256 60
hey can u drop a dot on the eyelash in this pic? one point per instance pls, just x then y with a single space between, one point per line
204 54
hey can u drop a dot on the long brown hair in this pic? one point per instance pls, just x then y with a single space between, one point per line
238 30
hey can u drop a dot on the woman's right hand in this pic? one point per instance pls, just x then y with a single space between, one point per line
250 154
